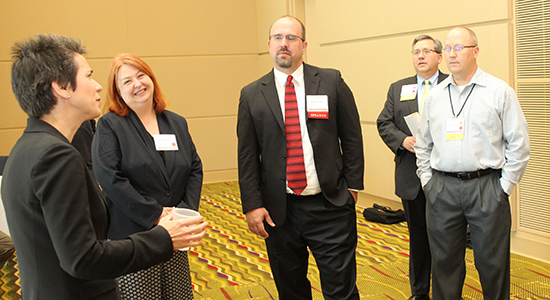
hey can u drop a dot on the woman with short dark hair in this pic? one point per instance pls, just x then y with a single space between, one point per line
54 207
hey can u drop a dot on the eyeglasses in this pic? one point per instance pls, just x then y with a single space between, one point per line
289 37
456 48
425 52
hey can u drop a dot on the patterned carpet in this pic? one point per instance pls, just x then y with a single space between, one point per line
10 289
233 264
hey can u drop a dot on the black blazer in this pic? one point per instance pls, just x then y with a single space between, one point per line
58 220
393 130
135 178
82 141
337 142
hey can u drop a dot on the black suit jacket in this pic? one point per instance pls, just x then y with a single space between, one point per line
136 180
58 220
82 141
393 130
337 142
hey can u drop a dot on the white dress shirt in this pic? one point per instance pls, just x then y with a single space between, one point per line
313 186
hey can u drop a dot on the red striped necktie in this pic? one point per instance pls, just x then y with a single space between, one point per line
295 167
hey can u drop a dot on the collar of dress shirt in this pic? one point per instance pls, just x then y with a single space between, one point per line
298 76
433 79
479 78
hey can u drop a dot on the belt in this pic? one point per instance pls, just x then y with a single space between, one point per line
301 196
469 175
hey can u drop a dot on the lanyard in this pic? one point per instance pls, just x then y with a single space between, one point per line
463 104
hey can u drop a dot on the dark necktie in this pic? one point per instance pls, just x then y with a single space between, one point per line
295 168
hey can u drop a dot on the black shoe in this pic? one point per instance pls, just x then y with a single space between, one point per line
423 297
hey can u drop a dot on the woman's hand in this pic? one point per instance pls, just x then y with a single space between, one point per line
184 233
165 212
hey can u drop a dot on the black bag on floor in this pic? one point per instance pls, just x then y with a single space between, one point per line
383 214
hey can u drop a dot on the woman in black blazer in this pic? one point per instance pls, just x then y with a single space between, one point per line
55 210
146 163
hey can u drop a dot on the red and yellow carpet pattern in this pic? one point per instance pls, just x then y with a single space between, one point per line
10 288
232 264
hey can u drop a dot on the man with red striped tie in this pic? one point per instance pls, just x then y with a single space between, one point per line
300 167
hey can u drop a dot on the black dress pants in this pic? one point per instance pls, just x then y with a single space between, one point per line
420 258
330 233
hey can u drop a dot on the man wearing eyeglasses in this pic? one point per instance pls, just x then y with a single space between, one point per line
472 148
300 166
405 98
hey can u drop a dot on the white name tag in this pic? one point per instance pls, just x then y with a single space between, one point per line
317 106
165 142
455 129
408 92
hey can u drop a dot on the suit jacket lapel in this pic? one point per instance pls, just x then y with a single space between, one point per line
149 144
412 104
166 127
269 91
311 81
441 77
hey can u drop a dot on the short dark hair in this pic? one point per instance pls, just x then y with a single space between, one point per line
438 47
36 64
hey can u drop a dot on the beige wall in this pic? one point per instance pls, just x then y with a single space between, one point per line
370 43
202 53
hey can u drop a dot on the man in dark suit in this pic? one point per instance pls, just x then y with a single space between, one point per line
405 98
309 202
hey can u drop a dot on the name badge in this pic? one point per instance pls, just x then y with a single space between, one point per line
408 92
165 142
455 129
317 106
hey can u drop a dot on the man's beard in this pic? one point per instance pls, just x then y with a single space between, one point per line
284 63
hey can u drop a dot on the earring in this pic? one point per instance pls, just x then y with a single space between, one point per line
68 96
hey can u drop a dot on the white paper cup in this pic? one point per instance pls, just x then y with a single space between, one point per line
185 213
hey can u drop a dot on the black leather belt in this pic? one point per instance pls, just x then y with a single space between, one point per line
301 196
469 175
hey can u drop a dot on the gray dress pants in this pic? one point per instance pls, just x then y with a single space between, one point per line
452 204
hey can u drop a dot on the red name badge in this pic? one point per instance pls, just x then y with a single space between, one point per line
317 115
